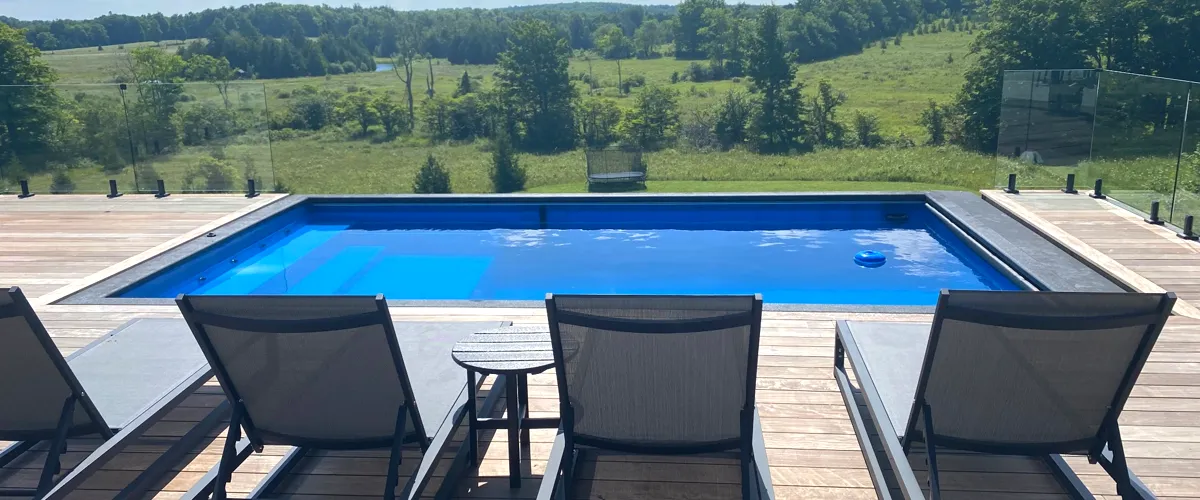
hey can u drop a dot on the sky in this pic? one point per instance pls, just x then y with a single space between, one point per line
87 9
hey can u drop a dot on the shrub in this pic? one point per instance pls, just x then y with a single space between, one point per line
60 182
866 130
349 67
335 69
675 77
652 121
633 82
696 131
598 121
432 178
733 111
934 121
206 122
210 174
507 174
312 111
698 73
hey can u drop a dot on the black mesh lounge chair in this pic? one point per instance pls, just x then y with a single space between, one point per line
657 375
114 388
325 373
1000 380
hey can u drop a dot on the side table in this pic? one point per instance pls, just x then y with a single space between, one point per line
515 352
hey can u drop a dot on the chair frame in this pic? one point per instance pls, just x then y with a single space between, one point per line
235 451
1106 448
564 456
115 439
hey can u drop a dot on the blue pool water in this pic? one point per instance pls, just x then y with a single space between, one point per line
797 253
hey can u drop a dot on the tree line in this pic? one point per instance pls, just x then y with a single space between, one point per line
699 29
535 106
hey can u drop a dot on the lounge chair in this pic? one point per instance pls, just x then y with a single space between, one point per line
115 388
1001 382
327 373
661 375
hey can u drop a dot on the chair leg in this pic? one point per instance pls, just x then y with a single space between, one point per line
748 480
935 492
228 454
747 453
53 465
393 474
1118 467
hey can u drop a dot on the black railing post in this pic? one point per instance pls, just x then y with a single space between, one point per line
112 189
1188 233
250 191
162 190
24 190
1012 184
1070 189
1098 193
1153 219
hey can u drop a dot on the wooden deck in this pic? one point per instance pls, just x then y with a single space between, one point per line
55 245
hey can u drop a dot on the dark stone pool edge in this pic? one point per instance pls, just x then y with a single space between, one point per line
1030 254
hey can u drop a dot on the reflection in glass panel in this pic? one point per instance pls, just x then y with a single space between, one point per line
1187 197
1046 121
1139 129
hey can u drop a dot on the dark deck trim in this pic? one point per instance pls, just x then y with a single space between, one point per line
999 237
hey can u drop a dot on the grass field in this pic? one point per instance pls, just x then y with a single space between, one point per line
895 84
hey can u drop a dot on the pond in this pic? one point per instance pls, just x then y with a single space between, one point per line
383 67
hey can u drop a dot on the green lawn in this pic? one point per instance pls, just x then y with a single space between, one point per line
757 187
329 165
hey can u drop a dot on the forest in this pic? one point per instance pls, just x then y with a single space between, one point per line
812 30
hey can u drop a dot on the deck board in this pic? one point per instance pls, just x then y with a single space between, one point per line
62 243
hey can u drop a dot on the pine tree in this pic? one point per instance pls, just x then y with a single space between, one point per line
432 178
464 85
778 123
507 174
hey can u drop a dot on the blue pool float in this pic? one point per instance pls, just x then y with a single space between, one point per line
869 258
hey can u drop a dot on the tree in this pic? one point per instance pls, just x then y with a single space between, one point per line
778 124
534 81
29 107
723 40
464 85
1024 34
647 38
507 174
390 115
653 119
612 43
432 178
688 39
934 121
733 111
157 75
407 46
357 107
866 130
578 33
207 68
826 130
598 121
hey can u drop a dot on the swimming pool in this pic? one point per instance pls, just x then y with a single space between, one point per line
791 252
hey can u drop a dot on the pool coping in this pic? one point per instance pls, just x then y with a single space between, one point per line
1000 237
